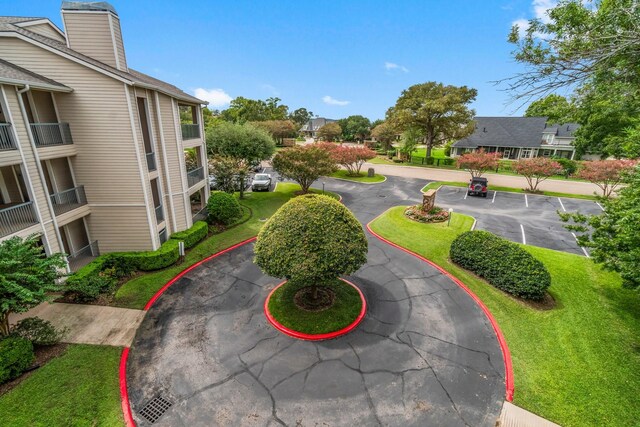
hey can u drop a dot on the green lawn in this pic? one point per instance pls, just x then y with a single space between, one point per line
79 388
437 184
136 292
577 364
362 177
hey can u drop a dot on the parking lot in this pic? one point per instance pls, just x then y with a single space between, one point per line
522 218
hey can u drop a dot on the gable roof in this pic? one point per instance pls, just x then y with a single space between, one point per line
315 124
132 77
564 130
505 132
12 74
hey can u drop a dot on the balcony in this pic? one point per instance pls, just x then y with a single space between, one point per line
159 214
51 134
68 200
6 139
195 176
17 217
190 131
83 256
151 162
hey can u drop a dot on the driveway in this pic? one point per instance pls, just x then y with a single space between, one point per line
425 354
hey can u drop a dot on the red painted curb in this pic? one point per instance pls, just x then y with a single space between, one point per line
124 394
188 269
315 337
506 354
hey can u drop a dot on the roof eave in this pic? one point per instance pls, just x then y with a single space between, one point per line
36 85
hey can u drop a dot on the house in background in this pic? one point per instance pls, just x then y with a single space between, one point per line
519 138
92 152
310 130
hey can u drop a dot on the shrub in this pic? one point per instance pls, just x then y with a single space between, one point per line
391 153
164 257
193 235
16 355
223 208
502 263
397 160
569 167
122 264
429 160
88 288
38 331
448 161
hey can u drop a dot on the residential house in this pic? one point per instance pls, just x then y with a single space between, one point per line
92 152
310 129
519 137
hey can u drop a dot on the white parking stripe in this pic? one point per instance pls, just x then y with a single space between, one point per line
561 204
524 240
466 193
526 200
599 205
494 196
583 249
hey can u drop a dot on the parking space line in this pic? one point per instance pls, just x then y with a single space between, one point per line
581 247
494 196
526 200
466 193
561 204
600 206
524 240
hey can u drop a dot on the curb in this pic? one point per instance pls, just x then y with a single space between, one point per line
360 182
315 337
506 354
124 393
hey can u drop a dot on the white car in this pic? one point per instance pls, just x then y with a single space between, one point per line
261 182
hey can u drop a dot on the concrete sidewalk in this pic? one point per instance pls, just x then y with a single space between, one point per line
89 324
560 186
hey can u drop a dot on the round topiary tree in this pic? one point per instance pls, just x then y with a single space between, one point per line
223 208
311 240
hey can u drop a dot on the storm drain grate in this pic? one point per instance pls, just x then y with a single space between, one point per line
382 196
155 409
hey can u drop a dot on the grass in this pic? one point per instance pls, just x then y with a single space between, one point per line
342 313
136 292
577 364
362 177
79 388
437 184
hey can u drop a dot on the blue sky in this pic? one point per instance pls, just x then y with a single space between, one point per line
335 58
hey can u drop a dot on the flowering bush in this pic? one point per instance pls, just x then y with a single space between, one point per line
606 174
352 158
478 162
436 214
536 170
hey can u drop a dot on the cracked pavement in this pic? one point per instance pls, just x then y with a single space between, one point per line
425 354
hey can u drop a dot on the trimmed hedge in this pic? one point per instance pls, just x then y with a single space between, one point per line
167 255
504 264
223 208
16 356
193 235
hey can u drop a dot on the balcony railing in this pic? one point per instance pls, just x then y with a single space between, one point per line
6 139
16 218
51 134
68 200
195 176
190 131
151 161
83 256
159 214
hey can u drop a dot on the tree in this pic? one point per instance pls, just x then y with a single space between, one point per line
225 170
242 110
190 158
555 108
355 128
478 162
278 129
352 158
606 174
330 131
245 144
27 275
304 164
536 170
311 239
409 142
440 112
385 134
613 236
577 41
300 117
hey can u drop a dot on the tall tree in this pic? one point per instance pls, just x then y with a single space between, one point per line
27 275
278 129
355 128
557 109
300 116
304 164
385 134
330 131
478 162
242 110
440 112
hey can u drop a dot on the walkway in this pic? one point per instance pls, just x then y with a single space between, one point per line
89 324
425 353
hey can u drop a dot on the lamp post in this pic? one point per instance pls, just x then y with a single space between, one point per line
322 187
450 215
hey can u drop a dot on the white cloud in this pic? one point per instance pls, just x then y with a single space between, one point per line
392 66
332 101
216 97
540 11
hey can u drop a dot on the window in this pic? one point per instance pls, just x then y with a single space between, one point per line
525 153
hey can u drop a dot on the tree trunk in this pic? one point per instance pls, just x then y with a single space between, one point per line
314 294
428 140
241 178
4 324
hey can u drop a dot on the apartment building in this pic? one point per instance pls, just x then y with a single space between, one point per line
92 152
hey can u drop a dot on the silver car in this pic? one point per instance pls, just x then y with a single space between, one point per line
261 182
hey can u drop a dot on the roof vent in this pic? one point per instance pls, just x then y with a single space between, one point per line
100 6
484 129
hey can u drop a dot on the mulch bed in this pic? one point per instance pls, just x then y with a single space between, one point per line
43 355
